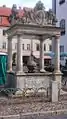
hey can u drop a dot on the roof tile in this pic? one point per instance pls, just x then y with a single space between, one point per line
5 13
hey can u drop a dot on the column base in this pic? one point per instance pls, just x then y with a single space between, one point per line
57 72
42 71
20 73
8 71
20 82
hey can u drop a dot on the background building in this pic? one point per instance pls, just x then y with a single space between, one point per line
60 9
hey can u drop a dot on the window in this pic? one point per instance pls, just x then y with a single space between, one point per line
62 25
23 46
61 58
50 47
47 62
4 45
44 47
28 46
61 48
61 51
3 32
37 47
61 2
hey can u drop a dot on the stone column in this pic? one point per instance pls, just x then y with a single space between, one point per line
57 54
53 49
9 54
42 54
57 75
19 54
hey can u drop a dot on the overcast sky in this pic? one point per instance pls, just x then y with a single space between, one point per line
25 3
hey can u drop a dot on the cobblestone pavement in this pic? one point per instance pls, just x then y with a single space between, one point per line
17 106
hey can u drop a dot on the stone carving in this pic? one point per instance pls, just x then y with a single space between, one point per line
33 16
31 64
50 17
14 15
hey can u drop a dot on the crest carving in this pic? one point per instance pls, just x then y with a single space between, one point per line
32 16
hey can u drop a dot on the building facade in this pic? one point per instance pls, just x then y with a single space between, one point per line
60 8
27 45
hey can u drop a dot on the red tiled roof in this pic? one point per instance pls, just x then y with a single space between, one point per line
5 22
5 13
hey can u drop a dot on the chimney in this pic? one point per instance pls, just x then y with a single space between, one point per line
4 5
19 8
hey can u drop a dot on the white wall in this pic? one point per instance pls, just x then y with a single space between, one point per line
25 41
61 13
3 39
54 6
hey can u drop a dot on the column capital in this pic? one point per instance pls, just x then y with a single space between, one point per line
19 34
42 38
9 38
57 36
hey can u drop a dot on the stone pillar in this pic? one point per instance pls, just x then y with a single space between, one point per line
57 75
9 54
57 54
19 54
42 54
54 91
53 49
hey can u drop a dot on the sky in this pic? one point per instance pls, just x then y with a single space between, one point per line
25 3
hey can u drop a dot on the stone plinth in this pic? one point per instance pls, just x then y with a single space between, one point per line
54 91
57 77
32 83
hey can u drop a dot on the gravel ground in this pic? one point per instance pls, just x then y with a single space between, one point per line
18 105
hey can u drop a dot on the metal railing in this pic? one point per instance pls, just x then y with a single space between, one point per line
9 91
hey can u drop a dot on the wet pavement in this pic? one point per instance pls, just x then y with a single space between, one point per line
56 117
45 117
